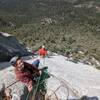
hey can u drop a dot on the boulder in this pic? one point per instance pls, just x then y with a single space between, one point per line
9 47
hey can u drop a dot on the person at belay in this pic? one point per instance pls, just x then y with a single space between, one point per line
27 73
42 51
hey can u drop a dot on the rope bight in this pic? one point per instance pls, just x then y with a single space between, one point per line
41 86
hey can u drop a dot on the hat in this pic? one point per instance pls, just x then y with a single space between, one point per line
43 46
13 60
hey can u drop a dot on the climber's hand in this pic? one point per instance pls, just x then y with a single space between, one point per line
30 86
40 72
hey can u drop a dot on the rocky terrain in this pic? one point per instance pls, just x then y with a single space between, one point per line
9 47
7 78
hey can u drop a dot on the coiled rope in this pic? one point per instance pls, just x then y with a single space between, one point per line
54 91
68 86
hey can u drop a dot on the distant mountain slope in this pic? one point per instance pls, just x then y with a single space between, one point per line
62 25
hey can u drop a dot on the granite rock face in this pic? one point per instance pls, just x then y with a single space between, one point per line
8 79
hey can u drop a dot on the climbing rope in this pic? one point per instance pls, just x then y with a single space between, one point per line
75 92
12 84
33 97
54 91
67 85
39 86
36 87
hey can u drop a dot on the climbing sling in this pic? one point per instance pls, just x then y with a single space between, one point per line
40 87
